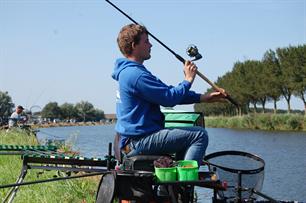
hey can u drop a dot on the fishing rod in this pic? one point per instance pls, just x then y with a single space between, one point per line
191 51
51 180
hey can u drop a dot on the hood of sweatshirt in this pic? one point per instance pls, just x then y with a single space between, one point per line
122 64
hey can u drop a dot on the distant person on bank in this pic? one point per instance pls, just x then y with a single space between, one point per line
17 117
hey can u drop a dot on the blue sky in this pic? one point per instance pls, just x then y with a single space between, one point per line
64 51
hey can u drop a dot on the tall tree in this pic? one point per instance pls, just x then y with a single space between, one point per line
262 79
51 111
6 105
227 82
238 86
300 74
68 111
252 81
98 115
244 74
273 73
85 109
286 61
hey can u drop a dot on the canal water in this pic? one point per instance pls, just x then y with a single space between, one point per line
284 153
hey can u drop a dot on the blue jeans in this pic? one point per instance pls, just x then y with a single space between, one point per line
189 143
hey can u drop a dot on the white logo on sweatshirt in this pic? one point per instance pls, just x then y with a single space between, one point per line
118 100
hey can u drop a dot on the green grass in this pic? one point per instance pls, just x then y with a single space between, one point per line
292 122
77 190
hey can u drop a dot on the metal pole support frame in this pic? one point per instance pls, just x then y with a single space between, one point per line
13 191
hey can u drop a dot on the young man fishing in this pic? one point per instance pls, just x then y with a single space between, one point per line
140 123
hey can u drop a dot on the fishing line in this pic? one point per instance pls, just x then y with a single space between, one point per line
50 134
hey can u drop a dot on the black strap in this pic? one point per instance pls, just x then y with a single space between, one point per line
116 148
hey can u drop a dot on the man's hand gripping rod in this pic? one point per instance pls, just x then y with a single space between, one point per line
228 97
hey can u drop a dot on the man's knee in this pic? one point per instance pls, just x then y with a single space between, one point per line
203 136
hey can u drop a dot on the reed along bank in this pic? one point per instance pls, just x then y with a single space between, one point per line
289 122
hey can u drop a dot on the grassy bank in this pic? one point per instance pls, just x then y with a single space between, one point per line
260 121
77 190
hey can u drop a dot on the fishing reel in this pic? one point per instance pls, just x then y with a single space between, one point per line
193 51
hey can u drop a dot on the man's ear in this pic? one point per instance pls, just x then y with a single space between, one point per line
133 45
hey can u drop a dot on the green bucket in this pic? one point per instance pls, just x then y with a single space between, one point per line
165 174
188 170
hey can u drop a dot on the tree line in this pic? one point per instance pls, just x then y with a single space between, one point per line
280 74
81 111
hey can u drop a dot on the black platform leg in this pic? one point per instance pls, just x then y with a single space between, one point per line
172 194
12 193
108 163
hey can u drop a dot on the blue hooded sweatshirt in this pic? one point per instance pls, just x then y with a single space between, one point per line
139 97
